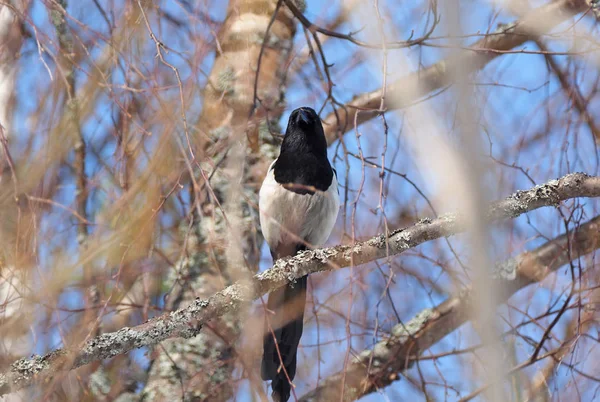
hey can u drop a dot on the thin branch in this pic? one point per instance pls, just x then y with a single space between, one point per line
508 36
188 322
377 367
571 90
350 36
578 325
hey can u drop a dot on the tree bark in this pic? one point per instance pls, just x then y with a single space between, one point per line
235 135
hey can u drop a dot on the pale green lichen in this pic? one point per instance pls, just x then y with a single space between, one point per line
26 368
220 375
522 201
424 221
378 241
23 371
268 130
270 151
506 270
190 356
273 41
351 251
403 240
99 383
219 133
511 209
381 353
60 24
235 294
402 332
29 366
291 268
226 81
449 224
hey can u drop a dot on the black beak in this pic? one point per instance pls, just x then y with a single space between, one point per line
304 115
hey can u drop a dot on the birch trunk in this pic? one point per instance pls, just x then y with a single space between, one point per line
218 250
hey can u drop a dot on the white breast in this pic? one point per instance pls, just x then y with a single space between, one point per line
290 218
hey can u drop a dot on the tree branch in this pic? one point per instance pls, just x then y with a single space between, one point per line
188 322
375 368
366 106
572 91
350 37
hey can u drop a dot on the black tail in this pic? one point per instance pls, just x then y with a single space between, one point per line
287 323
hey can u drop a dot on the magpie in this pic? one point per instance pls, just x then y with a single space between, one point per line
298 203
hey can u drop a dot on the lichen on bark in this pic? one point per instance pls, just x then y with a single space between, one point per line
207 266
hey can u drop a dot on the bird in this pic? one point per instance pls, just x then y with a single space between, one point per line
298 205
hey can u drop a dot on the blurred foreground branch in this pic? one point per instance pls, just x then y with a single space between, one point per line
188 322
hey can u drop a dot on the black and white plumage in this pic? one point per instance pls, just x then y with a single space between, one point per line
298 204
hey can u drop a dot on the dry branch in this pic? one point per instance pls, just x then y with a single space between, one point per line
375 368
188 322
418 84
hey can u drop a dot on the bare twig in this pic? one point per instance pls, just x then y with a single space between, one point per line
377 367
571 90
188 322
442 73
351 36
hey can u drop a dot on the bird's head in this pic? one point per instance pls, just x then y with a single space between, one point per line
305 130
304 117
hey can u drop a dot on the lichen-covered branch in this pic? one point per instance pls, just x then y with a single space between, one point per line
366 106
187 322
375 368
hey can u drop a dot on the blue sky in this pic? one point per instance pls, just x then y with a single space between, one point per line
511 95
